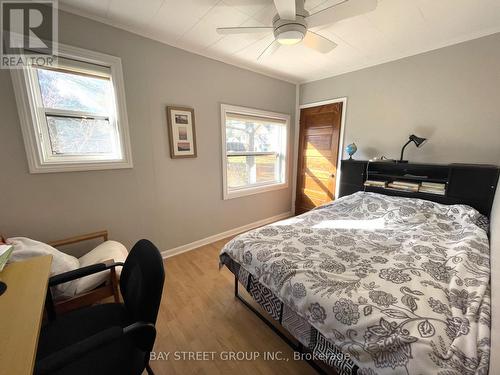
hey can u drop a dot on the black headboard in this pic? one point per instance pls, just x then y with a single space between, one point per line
471 184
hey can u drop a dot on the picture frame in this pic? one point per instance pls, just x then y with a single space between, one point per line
181 132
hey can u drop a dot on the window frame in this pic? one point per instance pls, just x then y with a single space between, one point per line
34 127
263 187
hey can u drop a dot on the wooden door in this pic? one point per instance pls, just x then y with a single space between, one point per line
318 154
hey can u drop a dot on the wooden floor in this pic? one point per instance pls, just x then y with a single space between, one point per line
199 313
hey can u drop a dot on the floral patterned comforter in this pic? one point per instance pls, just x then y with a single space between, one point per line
400 284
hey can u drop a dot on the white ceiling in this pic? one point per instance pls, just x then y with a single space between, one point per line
396 29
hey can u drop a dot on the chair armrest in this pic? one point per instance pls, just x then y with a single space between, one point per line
142 334
73 275
61 358
138 326
84 237
82 272
65 356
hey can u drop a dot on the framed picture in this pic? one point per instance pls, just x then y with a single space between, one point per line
181 132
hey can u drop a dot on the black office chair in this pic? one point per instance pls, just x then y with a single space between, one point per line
112 338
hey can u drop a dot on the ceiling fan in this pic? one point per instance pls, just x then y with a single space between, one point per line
291 24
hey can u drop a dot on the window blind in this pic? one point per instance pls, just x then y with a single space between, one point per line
255 119
66 65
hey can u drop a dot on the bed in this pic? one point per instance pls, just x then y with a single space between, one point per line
376 284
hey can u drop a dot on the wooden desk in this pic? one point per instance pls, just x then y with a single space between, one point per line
21 311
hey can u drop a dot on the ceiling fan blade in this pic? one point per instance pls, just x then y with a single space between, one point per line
286 9
270 49
318 43
335 13
243 30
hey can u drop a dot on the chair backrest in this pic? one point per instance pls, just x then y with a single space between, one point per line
141 282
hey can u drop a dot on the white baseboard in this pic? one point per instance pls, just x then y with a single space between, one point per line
216 237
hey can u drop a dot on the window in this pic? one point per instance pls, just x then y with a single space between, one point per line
254 151
73 114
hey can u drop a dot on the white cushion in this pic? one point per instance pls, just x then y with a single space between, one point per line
25 248
107 250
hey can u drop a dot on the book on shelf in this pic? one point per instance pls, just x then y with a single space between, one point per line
424 189
393 185
375 183
434 185
412 185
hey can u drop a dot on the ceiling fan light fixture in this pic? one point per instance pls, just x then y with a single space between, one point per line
290 34
291 23
289 38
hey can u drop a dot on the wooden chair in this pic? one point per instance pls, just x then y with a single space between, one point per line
109 289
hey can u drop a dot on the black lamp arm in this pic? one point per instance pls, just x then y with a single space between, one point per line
403 149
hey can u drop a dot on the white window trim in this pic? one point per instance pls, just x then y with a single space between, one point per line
225 108
25 96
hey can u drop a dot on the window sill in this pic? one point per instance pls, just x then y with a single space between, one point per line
253 190
78 167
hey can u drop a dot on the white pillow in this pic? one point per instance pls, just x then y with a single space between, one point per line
25 248
109 250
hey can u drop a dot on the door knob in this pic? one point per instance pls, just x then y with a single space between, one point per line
332 175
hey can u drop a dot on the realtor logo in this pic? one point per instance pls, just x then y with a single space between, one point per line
29 33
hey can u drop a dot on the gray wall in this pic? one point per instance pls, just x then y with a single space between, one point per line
448 95
171 202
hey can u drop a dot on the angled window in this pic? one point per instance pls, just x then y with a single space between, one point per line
254 151
73 115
